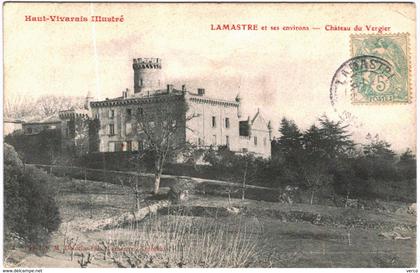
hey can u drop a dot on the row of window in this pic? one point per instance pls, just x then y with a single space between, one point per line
128 111
128 130
128 127
227 143
121 146
214 123
111 115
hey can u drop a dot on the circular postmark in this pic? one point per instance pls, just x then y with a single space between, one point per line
361 80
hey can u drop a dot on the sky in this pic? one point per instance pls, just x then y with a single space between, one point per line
284 73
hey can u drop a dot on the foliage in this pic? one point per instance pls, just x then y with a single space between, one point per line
406 166
325 155
378 149
43 148
289 144
29 208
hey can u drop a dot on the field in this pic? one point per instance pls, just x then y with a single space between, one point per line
211 231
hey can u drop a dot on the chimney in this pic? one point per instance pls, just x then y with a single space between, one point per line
125 93
169 88
201 91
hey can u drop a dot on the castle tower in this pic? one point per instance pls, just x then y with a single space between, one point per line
88 99
147 75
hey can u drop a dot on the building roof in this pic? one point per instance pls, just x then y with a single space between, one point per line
12 120
50 119
161 94
256 123
74 112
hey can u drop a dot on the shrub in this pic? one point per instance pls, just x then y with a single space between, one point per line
29 207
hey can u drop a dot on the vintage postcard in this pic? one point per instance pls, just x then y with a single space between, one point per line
221 135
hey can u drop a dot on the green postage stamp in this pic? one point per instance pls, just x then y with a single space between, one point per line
391 82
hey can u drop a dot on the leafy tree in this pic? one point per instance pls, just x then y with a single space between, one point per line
29 206
377 148
407 165
325 146
43 148
407 156
289 143
335 139
314 145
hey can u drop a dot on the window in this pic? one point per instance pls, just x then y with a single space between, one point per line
265 141
129 145
96 116
255 141
140 111
128 112
227 124
111 113
111 130
213 121
111 147
134 146
118 146
128 128
227 141
214 140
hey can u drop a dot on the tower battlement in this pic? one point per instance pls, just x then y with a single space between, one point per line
147 75
147 63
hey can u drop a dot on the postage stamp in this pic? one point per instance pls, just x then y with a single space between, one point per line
365 79
386 83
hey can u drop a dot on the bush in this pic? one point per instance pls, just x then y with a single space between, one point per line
29 207
42 148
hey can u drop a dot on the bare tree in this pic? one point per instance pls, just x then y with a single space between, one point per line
315 176
43 106
49 105
107 248
81 134
250 173
72 243
18 106
133 184
163 134
85 260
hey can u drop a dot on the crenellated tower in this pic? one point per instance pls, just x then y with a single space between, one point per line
147 75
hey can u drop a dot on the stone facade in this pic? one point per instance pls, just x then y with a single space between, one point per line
205 121
35 127
75 131
118 129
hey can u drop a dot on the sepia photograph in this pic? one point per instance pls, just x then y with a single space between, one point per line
209 135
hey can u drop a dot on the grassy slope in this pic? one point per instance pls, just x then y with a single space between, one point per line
284 244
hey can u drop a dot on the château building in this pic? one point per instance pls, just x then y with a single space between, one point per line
216 122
